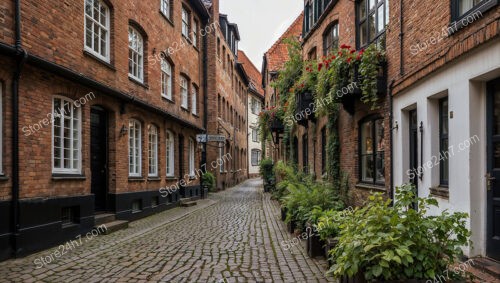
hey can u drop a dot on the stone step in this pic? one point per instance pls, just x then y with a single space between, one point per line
187 202
104 218
114 226
488 265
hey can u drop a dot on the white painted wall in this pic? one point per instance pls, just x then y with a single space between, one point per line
464 82
253 123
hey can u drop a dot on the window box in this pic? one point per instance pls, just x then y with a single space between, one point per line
354 94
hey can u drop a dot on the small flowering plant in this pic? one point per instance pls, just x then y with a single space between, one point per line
267 118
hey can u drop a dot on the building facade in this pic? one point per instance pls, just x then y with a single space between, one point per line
446 72
226 101
98 114
255 101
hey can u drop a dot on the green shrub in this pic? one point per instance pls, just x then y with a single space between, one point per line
267 169
386 242
208 179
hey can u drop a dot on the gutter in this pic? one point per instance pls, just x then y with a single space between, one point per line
91 83
205 97
21 56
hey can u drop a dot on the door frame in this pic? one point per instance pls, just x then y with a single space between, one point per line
105 114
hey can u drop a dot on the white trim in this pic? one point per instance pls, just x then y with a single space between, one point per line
139 52
138 158
107 27
184 93
194 101
153 144
170 152
166 69
168 13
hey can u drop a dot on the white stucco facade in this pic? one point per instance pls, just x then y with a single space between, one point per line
254 145
464 83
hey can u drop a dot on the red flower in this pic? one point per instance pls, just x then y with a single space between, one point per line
358 57
352 51
348 60
320 66
344 46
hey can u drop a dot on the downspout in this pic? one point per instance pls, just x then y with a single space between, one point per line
21 57
205 98
391 122
401 35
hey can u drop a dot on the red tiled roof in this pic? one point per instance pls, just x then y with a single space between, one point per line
253 73
277 55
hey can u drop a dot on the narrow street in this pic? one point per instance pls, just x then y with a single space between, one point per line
234 236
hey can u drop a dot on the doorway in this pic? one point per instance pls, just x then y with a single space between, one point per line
99 156
415 173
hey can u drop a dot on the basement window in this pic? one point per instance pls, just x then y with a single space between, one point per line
155 201
69 216
136 206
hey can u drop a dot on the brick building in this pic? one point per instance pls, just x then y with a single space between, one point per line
445 69
226 100
272 63
98 113
255 101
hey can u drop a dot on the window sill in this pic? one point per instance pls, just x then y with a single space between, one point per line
366 186
191 178
440 192
184 109
137 82
457 24
136 179
100 60
196 115
167 19
60 177
167 99
154 178
172 178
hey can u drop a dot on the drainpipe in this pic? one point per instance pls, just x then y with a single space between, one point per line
205 102
21 57
401 35
391 122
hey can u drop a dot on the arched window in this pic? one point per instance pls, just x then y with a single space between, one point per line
134 148
166 79
153 151
66 132
170 154
136 54
97 28
331 39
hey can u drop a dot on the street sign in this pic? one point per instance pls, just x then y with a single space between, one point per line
210 138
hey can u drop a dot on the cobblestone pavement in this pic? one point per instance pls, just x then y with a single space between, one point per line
234 236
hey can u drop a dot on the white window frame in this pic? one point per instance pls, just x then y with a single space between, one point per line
170 154
191 158
185 22
194 101
153 151
184 93
166 79
136 49
165 8
195 33
61 114
255 135
102 27
257 155
135 148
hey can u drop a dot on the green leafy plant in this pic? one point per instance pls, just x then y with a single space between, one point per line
208 179
371 61
267 169
385 242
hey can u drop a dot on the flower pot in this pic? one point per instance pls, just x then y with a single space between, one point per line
291 226
314 244
330 244
283 213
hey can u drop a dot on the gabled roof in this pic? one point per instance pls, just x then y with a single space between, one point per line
277 55
253 73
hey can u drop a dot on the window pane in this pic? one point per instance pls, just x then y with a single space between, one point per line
380 19
366 138
363 33
372 4
380 170
362 9
367 168
371 26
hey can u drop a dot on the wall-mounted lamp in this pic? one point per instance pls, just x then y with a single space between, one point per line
396 126
123 131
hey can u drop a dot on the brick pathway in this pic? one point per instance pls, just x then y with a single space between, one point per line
234 236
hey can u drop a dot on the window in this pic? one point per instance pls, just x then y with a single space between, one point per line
170 154
135 55
256 157
331 39
255 106
184 93
472 8
443 142
153 151
97 23
185 22
155 201
195 33
310 17
134 148
166 79
66 132
165 8
191 158
70 216
194 101
136 206
372 139
255 135
305 154
373 16
323 150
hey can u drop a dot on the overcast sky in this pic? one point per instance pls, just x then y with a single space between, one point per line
260 22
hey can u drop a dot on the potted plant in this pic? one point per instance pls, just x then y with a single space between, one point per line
396 243
208 183
267 172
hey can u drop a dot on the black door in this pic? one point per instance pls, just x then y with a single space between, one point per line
414 173
493 165
181 164
99 156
